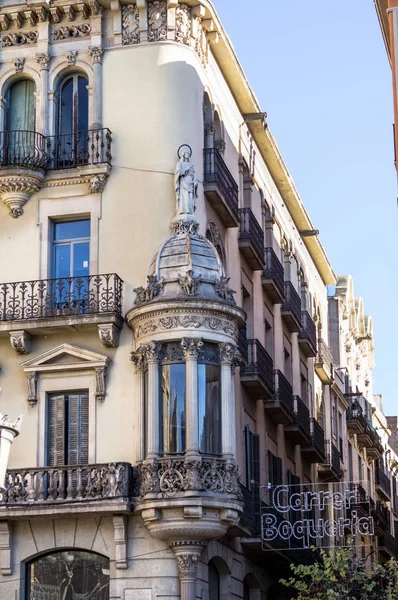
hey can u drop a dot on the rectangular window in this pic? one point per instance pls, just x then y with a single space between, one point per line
274 469
67 434
173 407
252 450
209 409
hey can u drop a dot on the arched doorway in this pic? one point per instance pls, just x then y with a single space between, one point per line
68 575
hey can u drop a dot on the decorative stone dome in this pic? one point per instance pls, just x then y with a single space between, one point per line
186 265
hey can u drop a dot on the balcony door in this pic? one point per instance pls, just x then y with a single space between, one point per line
70 266
73 141
18 145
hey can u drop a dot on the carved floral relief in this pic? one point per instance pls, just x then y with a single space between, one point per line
157 21
130 25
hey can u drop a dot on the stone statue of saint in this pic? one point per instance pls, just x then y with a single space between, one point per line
186 185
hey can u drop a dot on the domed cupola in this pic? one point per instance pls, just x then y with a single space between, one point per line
185 323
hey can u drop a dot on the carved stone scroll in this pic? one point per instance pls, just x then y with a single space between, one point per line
20 341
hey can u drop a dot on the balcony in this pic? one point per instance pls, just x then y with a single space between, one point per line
383 483
356 420
299 431
382 518
272 278
307 335
258 375
27 158
101 488
315 451
251 239
388 547
42 305
324 362
291 308
331 469
281 405
220 187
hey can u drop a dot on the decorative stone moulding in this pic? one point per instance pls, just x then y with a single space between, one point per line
15 190
20 341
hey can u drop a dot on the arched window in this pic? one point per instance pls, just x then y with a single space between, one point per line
70 575
21 106
214 582
73 144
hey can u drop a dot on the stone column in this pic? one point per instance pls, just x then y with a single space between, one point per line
152 352
209 135
138 359
228 429
96 53
191 349
43 61
187 555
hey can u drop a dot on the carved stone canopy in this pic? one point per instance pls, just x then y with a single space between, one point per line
66 359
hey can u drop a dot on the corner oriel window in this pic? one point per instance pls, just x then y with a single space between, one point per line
209 401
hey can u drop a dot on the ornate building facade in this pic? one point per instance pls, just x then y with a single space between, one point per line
167 333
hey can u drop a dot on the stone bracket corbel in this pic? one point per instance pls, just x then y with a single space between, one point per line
5 548
120 537
31 377
20 341
100 374
109 335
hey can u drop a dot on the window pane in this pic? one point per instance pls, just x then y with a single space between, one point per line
69 230
69 575
209 409
81 257
21 114
173 401
62 261
82 122
66 108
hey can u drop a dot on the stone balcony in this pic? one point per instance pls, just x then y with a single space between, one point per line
29 161
182 497
46 305
251 239
100 488
221 188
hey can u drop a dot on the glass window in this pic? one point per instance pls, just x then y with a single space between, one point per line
70 575
173 405
209 400
73 105
214 582
21 102
71 249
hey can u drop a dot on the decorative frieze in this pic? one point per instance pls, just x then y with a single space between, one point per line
192 321
20 341
72 31
173 476
157 21
130 25
19 39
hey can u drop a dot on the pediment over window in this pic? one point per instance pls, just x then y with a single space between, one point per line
65 358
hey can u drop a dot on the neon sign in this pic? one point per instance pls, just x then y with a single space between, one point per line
297 519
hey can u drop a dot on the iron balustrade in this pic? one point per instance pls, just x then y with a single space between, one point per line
217 172
318 436
389 542
251 230
46 298
25 149
63 484
308 330
259 362
249 516
333 457
381 515
292 301
302 414
242 342
274 269
70 150
283 390
383 481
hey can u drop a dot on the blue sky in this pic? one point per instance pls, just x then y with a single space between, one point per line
320 71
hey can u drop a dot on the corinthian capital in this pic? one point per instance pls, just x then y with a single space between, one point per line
152 351
96 53
187 555
191 347
138 358
228 353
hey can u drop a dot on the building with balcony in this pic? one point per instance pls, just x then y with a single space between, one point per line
164 326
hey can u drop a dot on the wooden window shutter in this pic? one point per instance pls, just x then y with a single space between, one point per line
56 431
78 429
256 457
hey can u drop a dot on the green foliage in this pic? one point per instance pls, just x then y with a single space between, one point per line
340 574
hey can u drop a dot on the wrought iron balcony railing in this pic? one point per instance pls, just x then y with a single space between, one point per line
317 435
382 516
383 483
26 149
29 149
291 307
251 239
65 484
217 174
70 150
48 298
331 468
284 391
388 544
273 276
259 364
307 335
302 415
243 343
